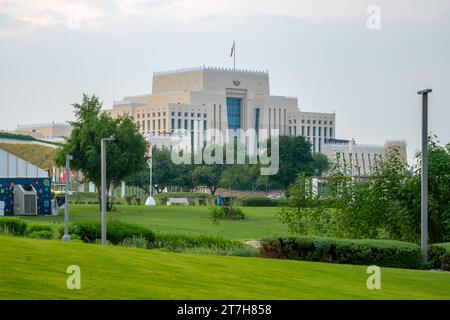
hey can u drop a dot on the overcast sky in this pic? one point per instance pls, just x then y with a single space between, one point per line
51 51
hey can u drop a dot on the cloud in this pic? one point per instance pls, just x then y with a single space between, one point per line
93 13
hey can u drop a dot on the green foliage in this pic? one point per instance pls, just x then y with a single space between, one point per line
382 253
208 176
7 135
303 212
387 204
295 156
117 231
39 227
14 226
439 256
258 201
136 242
226 213
129 200
42 234
125 155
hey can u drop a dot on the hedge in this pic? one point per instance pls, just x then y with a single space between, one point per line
439 256
383 253
257 201
14 226
116 232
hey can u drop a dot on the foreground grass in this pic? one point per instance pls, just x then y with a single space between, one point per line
36 269
258 223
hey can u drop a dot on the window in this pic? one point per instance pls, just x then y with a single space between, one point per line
172 124
204 125
320 121
331 123
179 124
290 130
164 124
192 125
325 132
138 115
179 114
309 131
314 131
198 115
303 120
173 114
148 115
185 124
303 130
325 122
295 130
192 114
148 125
314 121
320 131
185 114
205 115
234 113
308 122
331 132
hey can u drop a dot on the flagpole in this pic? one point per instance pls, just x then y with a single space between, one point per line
234 56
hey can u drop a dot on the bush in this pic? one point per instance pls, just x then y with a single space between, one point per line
226 213
117 232
258 201
137 201
129 200
14 226
136 242
383 253
177 241
439 256
42 234
38 228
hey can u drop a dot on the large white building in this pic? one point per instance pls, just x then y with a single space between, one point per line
201 98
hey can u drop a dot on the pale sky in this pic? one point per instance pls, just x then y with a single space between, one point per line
321 51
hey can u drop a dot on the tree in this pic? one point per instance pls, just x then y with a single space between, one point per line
302 211
295 156
208 176
125 155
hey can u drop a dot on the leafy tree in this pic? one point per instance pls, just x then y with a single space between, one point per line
208 175
125 155
295 156
302 211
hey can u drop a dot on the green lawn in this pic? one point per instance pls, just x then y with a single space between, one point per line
35 269
259 222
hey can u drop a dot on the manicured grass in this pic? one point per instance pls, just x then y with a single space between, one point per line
36 269
258 223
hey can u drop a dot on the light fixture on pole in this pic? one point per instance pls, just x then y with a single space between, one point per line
66 236
424 188
150 200
103 178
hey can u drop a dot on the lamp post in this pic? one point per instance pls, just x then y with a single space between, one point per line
66 236
150 201
424 188
104 194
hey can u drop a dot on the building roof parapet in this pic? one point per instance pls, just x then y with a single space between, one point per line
213 69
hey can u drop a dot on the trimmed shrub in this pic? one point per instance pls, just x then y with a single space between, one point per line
15 226
42 234
383 253
257 201
226 213
117 231
439 256
174 240
39 227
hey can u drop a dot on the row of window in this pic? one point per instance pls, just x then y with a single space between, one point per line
183 124
325 122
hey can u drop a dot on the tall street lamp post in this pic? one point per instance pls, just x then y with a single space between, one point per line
66 236
104 193
424 188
